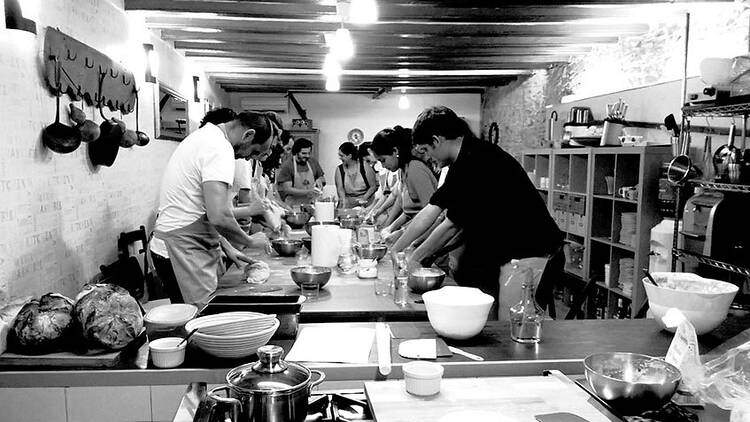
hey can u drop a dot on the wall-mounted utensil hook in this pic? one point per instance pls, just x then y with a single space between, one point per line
78 93
83 69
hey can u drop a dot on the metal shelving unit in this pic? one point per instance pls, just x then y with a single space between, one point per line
724 187
681 253
727 110
738 109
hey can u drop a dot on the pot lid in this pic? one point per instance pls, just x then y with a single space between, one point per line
270 373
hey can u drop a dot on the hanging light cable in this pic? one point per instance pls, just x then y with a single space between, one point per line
343 46
403 101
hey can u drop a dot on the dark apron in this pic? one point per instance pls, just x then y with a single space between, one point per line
195 254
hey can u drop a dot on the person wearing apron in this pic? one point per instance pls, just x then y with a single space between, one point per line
392 147
355 181
300 179
195 215
520 227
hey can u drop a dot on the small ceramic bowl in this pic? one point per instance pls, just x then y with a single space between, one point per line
422 378
165 352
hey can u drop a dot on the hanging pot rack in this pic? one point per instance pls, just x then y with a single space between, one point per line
89 74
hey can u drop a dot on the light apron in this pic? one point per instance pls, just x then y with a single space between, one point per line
304 180
354 186
195 254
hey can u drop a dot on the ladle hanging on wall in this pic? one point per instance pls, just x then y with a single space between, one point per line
58 136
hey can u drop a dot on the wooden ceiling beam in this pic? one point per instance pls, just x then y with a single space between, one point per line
257 9
301 50
354 90
410 12
362 40
375 85
413 28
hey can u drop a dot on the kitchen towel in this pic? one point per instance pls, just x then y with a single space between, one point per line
324 211
325 245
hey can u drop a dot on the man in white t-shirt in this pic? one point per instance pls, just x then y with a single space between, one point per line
194 210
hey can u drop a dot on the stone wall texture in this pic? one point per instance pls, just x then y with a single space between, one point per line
522 108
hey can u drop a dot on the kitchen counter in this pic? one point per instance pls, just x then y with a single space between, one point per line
563 347
346 298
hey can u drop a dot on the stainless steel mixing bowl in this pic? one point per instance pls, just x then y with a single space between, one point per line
307 241
297 219
630 382
311 274
350 222
286 247
371 251
309 225
425 279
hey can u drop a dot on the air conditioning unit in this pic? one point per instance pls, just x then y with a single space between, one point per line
265 102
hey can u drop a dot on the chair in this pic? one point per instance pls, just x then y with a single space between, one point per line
126 271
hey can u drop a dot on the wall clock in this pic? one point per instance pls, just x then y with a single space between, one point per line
355 136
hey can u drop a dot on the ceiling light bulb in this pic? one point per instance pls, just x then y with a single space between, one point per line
403 102
343 46
331 66
363 12
333 84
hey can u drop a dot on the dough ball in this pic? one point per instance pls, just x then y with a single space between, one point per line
257 272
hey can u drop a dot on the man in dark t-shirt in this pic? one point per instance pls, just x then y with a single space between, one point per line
491 203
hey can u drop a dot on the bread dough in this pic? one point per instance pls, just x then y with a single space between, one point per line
257 272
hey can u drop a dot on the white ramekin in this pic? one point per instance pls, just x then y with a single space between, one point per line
165 353
422 378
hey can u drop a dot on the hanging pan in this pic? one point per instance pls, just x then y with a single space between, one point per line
103 150
58 136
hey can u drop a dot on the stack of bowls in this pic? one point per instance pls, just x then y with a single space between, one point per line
232 334
168 320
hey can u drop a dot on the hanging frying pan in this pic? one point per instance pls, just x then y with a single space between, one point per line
103 150
58 136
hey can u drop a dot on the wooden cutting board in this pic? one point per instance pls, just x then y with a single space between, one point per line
92 359
496 399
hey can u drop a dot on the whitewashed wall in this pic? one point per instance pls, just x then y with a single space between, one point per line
335 114
59 216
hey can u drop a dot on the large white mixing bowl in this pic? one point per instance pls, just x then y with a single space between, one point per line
704 302
457 312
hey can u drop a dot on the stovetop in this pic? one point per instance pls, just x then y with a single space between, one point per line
338 407
327 406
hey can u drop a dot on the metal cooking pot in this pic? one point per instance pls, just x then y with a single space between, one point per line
269 390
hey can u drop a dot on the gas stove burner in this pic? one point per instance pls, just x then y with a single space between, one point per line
345 407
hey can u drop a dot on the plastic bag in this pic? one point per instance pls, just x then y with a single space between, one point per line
726 381
683 352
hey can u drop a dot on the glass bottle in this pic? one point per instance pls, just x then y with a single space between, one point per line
303 257
347 262
401 280
526 316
